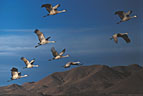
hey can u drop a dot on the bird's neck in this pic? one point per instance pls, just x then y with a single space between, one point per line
61 11
35 65
51 41
66 56
77 62
24 76
134 16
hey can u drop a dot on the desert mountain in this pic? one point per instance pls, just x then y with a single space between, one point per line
94 80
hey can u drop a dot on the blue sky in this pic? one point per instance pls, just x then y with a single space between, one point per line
84 30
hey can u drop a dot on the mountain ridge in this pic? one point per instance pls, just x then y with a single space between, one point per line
93 80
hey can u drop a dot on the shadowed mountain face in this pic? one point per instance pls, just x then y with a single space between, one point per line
95 80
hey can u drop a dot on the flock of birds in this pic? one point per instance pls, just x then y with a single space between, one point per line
124 16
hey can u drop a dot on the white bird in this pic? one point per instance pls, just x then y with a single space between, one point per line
29 64
123 35
15 74
124 16
52 10
67 65
42 38
56 55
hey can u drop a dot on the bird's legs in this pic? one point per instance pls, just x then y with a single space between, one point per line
51 59
24 67
9 80
37 45
46 15
119 22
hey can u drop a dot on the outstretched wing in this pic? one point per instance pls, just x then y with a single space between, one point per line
25 60
40 35
115 38
128 13
48 38
19 73
55 7
54 52
126 38
121 14
14 71
32 61
62 52
47 6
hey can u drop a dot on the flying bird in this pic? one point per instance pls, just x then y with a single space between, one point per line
122 35
15 74
124 16
57 55
42 38
67 65
29 64
52 10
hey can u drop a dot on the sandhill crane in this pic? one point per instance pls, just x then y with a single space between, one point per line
56 55
67 65
42 38
124 16
29 64
123 35
15 74
52 10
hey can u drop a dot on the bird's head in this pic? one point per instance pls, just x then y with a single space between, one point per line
67 55
135 16
64 11
126 33
25 75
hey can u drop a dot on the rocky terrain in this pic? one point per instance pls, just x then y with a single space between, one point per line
94 80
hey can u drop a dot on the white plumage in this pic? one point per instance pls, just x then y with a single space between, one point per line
42 38
67 65
15 74
52 10
124 16
29 64
122 35
56 55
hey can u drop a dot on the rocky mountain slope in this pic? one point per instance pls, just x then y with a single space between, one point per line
94 80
